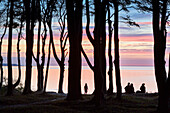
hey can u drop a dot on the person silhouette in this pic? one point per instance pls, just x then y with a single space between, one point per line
85 88
127 88
131 88
142 88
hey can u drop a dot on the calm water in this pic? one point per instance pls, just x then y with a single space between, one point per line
134 74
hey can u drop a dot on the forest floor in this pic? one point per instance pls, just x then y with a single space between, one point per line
56 103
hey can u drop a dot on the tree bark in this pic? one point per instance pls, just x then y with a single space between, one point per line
110 90
98 75
116 42
43 49
10 90
48 63
40 77
74 20
159 54
18 53
103 43
29 44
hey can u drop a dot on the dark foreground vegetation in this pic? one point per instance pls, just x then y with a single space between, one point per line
43 103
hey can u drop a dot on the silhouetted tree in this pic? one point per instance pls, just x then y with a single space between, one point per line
74 20
50 6
160 34
40 76
63 40
29 42
116 44
99 38
19 16
10 90
110 90
160 14
43 40
48 63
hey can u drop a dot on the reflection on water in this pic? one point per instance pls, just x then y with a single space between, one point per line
136 75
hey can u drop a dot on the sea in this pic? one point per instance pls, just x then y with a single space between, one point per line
133 74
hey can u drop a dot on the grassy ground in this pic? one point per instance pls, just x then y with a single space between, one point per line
133 103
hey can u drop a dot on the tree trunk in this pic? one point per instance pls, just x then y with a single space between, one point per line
10 90
48 63
116 42
29 45
103 44
74 19
18 53
159 54
98 75
43 49
40 77
110 90
61 78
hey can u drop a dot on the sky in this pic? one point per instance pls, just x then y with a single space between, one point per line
136 44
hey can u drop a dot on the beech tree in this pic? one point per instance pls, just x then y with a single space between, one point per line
74 22
29 42
10 90
110 90
160 15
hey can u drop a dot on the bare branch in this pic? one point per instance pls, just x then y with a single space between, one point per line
88 22
87 60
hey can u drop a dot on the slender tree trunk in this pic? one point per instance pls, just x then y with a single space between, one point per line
103 44
10 90
98 76
159 54
18 53
61 78
49 50
40 77
29 45
74 19
48 63
43 49
110 90
116 61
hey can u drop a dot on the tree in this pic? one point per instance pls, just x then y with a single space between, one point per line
160 34
10 90
74 21
50 6
116 43
29 43
98 43
19 15
160 15
40 76
98 36
110 90
63 40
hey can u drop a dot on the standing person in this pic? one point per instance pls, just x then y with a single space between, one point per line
85 88
142 88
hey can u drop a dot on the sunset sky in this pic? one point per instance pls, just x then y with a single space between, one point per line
136 44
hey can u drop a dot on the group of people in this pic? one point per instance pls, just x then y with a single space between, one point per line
129 89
